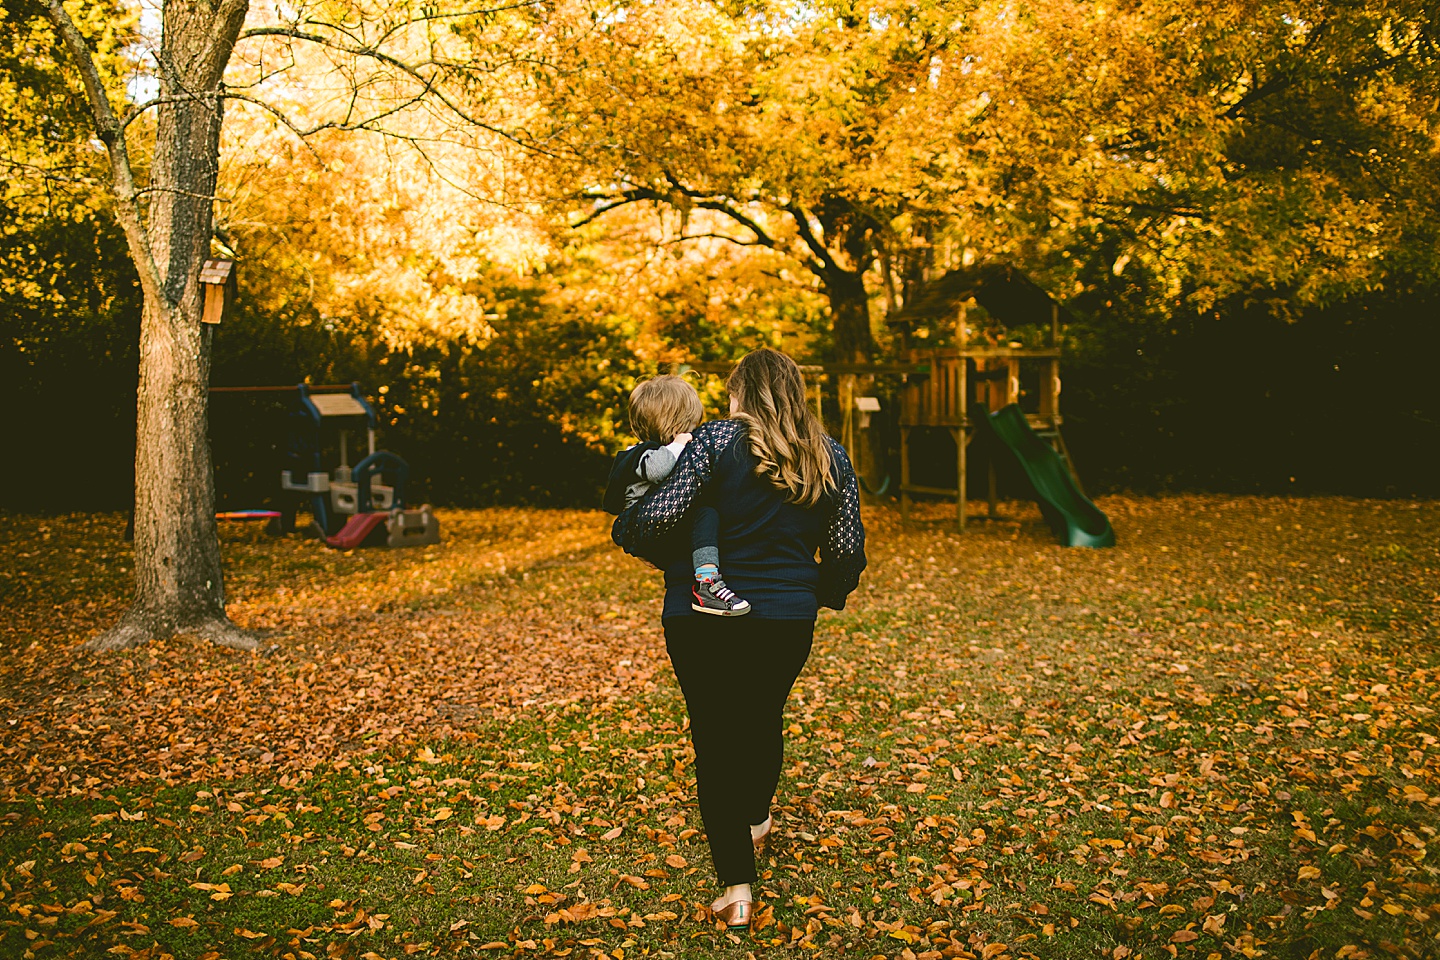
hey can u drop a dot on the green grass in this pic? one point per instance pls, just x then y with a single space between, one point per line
1173 748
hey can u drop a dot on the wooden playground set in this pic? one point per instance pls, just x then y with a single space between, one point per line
979 385
974 391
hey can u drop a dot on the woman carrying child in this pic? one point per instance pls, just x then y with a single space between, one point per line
781 490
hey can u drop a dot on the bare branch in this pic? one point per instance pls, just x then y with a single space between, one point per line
719 204
429 85
817 247
181 193
112 135
368 124
280 116
629 196
135 112
714 236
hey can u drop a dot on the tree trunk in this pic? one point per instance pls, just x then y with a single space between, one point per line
179 584
850 316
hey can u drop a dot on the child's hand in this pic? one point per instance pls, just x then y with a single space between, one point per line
682 438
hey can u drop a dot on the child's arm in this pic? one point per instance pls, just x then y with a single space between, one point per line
656 465
641 529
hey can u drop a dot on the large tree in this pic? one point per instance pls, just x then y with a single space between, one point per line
851 138
763 137
1225 145
179 584
395 70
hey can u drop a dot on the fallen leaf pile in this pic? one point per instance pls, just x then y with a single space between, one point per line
1218 739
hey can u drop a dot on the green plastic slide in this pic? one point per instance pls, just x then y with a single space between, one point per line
1075 520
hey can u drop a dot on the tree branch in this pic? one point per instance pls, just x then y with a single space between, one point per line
626 197
112 135
1283 82
802 226
719 204
138 109
1276 83
714 236
344 126
429 85
285 121
181 193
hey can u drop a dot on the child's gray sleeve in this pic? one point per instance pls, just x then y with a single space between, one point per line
655 465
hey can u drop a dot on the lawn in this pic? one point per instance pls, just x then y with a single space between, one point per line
1218 739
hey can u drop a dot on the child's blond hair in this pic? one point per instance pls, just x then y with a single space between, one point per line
662 407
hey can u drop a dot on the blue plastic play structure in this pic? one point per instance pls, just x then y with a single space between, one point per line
350 506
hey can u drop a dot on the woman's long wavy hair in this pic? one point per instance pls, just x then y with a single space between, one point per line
787 439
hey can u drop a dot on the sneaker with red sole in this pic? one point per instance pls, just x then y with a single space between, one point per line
713 597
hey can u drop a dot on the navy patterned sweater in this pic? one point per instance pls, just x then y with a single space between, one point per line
767 546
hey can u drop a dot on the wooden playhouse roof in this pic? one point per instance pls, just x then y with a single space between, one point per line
1003 290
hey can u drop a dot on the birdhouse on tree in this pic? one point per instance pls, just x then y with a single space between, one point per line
216 276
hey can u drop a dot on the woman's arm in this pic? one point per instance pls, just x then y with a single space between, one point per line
842 554
640 530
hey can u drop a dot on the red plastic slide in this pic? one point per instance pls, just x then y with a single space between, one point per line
356 529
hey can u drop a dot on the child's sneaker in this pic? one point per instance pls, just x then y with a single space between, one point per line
712 596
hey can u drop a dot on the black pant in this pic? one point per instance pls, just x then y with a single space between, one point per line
735 673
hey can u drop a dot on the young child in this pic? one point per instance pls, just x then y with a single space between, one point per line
663 411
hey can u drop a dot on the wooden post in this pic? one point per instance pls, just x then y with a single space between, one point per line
904 474
994 506
962 376
910 403
998 388
1055 391
1055 369
960 445
814 391
1050 390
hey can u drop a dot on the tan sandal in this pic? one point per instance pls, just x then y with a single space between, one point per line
736 914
